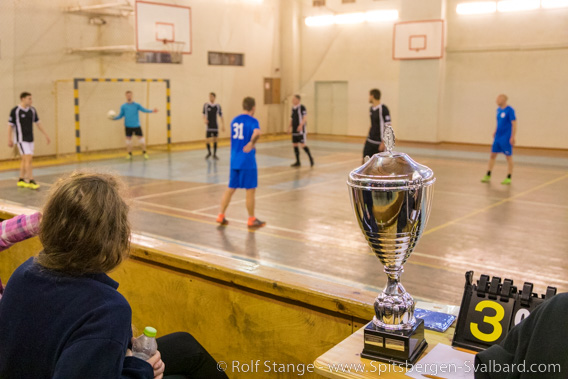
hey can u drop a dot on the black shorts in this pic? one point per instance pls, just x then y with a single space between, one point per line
136 131
211 134
298 138
370 149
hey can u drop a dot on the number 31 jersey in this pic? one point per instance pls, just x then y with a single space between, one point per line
242 128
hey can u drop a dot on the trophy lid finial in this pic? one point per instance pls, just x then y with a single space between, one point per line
388 138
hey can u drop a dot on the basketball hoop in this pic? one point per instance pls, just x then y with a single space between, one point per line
175 49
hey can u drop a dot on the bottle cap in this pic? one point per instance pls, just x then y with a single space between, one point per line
150 332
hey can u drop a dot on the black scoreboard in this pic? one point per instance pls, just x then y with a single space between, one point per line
490 308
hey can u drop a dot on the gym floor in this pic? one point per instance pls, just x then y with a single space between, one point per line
516 232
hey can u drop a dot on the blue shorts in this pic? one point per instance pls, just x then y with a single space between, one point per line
502 146
247 179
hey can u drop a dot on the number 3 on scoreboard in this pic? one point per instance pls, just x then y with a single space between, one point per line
494 321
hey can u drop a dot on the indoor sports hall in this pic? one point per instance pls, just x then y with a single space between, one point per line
284 188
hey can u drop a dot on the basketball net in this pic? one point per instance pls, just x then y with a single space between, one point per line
175 49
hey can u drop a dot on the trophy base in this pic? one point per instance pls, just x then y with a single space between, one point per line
397 346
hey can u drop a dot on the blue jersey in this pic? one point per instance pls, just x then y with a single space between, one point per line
130 113
242 128
505 118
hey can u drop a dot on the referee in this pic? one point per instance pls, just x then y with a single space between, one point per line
298 121
380 117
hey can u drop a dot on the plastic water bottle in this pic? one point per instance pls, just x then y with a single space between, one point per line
145 346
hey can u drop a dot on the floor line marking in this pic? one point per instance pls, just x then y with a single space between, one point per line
307 169
484 209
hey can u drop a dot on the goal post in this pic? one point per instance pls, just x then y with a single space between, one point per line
77 103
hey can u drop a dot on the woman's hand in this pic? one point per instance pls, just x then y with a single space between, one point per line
157 365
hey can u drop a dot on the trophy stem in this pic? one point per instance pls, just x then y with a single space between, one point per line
394 307
393 286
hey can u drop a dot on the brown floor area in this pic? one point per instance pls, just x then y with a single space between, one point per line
516 232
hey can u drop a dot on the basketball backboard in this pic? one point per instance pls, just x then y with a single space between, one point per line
157 24
418 40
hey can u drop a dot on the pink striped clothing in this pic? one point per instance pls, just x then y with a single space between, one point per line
18 229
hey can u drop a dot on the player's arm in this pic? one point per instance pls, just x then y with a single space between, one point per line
145 110
10 138
304 120
120 115
42 130
253 139
205 119
220 113
514 132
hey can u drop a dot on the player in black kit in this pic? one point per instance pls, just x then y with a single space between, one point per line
380 117
298 122
210 112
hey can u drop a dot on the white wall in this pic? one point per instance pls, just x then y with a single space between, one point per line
358 54
35 35
522 54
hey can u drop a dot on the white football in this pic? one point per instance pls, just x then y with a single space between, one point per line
111 114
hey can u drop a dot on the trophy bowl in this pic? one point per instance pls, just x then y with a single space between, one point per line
391 195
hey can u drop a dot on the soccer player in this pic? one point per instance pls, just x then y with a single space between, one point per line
21 133
245 134
504 138
380 117
129 111
298 122
210 112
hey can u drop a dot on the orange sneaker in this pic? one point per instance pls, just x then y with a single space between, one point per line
222 220
254 222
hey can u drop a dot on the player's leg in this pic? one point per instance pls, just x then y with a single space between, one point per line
296 145
369 150
251 202
509 169
234 181
29 171
495 149
225 201
215 145
492 158
208 144
141 142
22 181
250 182
128 142
307 150
27 148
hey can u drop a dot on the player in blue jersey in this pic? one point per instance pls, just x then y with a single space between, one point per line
245 132
129 111
504 138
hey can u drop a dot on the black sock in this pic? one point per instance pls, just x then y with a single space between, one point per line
297 152
488 173
209 148
509 176
32 181
307 150
144 152
215 148
130 153
21 180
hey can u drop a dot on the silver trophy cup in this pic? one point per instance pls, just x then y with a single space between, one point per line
391 195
